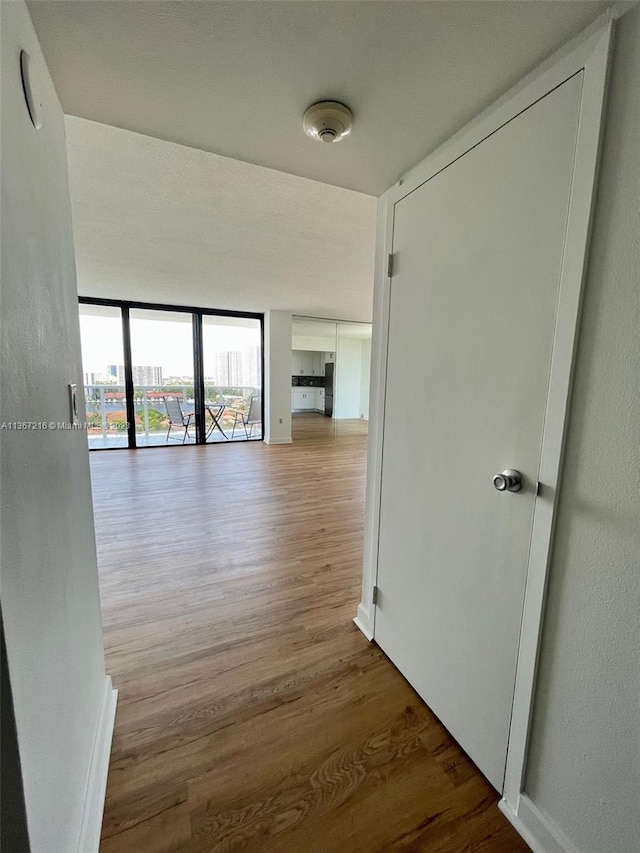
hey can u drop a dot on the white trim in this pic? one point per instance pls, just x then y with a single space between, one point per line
278 441
596 66
588 53
540 833
366 611
91 826
362 622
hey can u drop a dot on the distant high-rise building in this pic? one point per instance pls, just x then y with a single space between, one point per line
104 377
250 366
237 368
142 374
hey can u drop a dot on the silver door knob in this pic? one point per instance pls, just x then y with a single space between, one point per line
509 481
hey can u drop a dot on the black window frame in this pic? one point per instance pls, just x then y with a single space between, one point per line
197 313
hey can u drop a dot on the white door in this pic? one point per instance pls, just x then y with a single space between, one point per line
477 259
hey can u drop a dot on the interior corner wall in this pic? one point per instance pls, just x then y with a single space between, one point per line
277 377
583 769
50 600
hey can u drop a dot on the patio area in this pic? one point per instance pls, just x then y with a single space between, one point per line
225 416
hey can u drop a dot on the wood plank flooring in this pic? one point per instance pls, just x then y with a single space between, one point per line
253 715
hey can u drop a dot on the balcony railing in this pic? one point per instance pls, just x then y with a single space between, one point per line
107 416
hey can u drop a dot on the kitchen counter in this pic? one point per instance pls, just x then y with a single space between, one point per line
307 381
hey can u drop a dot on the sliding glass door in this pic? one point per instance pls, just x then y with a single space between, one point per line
163 373
103 368
165 376
232 362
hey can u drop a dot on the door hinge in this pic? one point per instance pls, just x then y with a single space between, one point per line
374 597
389 265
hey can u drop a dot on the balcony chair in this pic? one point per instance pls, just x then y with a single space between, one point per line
248 419
177 418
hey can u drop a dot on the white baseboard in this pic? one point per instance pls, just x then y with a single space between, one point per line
540 833
363 621
278 441
91 828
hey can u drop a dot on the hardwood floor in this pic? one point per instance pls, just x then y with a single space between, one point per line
253 715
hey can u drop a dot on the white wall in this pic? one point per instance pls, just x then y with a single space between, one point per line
584 765
50 601
353 366
365 370
160 222
315 343
347 380
277 377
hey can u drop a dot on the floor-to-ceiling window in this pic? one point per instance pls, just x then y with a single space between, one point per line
103 369
163 376
232 367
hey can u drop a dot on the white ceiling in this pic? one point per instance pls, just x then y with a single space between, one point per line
235 77
160 222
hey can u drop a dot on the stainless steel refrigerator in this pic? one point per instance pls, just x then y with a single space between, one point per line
328 389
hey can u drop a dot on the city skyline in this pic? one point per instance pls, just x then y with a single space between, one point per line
226 368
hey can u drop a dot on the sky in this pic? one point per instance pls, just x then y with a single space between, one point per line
158 342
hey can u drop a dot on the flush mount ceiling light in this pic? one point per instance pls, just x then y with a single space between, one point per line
328 121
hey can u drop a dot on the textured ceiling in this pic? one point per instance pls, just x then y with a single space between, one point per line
160 222
235 77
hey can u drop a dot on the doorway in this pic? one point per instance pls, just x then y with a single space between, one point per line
478 251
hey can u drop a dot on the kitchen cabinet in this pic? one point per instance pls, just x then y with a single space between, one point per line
304 399
318 400
302 363
307 363
307 400
298 363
